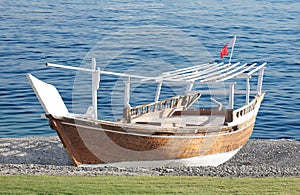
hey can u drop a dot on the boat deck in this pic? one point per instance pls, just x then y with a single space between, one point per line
184 120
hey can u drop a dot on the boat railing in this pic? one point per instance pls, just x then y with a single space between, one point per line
173 104
245 109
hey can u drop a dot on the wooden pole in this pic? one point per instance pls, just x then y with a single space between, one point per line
234 39
231 97
95 87
189 87
260 80
247 89
127 93
158 91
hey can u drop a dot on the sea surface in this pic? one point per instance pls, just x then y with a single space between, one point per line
143 37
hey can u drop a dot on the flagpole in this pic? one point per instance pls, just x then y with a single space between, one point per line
234 39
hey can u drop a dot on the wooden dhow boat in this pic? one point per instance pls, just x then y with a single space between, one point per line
167 132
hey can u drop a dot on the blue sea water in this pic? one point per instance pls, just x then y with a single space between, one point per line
143 36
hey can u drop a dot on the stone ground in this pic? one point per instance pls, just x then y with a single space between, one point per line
46 156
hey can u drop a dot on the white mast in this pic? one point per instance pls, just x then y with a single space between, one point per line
232 48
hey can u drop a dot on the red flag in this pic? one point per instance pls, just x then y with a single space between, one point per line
224 51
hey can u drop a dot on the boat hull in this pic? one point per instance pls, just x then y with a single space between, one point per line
109 144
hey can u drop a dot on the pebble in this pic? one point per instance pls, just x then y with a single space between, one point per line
46 156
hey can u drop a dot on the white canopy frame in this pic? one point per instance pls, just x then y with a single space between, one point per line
204 73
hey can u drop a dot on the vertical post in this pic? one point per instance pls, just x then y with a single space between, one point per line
189 87
95 87
126 110
260 81
247 89
158 91
231 97
127 93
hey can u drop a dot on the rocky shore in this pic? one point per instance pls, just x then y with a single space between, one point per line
46 156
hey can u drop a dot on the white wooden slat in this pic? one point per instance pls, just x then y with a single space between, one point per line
202 73
69 67
186 75
196 75
101 71
220 76
211 68
212 73
183 71
236 74
187 69
211 92
253 72
256 69
222 92
180 73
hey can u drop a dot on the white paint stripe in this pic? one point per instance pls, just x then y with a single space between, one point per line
207 160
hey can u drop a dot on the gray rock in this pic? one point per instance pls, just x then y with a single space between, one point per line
47 156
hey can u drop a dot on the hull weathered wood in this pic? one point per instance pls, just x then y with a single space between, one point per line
87 145
98 142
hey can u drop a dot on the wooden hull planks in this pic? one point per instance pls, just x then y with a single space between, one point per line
96 145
